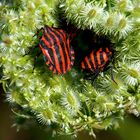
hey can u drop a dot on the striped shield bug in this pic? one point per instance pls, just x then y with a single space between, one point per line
97 60
55 44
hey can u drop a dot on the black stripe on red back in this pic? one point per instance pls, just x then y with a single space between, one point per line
91 63
95 60
99 61
55 48
50 52
62 39
101 58
85 64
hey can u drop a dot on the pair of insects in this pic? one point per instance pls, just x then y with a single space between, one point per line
55 44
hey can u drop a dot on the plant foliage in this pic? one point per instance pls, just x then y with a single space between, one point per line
69 103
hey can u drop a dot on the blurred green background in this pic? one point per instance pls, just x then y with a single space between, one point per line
129 129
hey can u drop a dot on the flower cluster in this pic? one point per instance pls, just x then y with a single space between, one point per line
69 103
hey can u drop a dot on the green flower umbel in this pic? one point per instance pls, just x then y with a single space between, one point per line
70 103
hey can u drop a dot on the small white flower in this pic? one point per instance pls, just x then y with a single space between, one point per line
124 25
71 102
92 15
46 117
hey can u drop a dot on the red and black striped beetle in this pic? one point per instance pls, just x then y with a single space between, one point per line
97 60
57 50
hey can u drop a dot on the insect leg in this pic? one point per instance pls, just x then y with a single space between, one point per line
30 50
112 76
35 59
38 32
96 73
